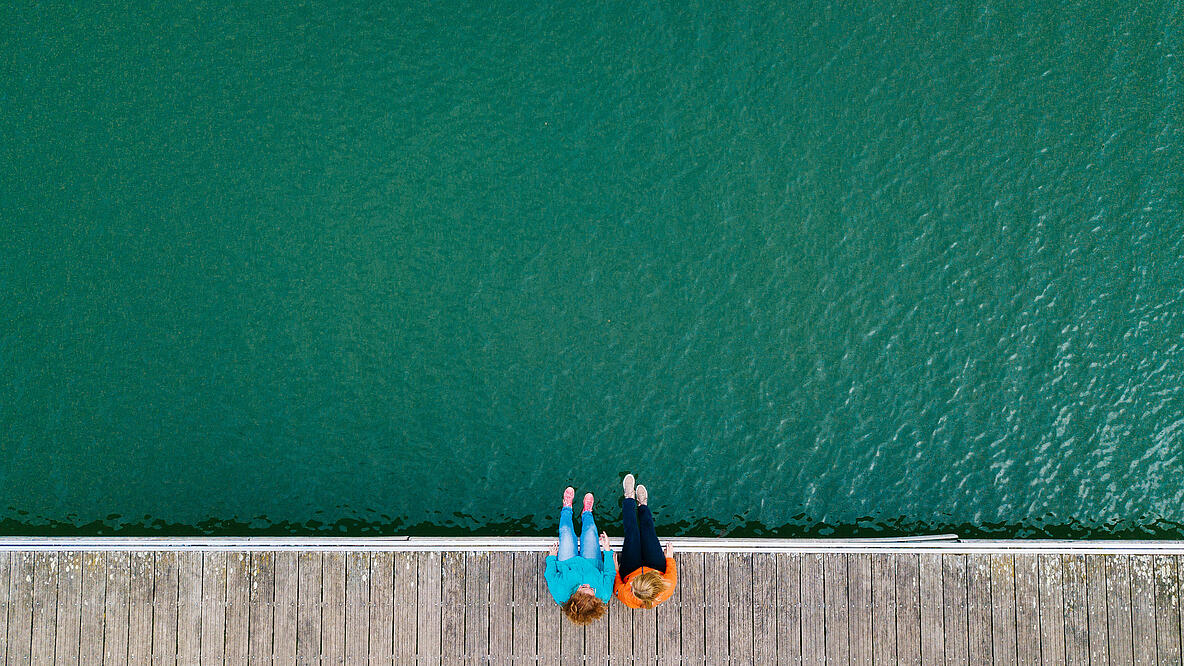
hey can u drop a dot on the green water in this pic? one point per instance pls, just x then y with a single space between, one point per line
806 268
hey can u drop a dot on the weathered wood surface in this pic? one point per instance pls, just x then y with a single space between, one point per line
284 607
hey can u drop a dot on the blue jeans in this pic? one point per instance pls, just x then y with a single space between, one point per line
589 542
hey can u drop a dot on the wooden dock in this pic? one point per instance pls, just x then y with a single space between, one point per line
384 607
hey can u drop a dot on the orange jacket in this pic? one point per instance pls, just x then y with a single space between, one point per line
624 590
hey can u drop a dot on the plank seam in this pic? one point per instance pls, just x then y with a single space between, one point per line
78 654
249 582
416 558
8 610
847 594
1040 605
1175 626
321 611
32 612
151 612
1015 610
752 597
274 605
369 598
1065 606
1130 581
106 588
56 585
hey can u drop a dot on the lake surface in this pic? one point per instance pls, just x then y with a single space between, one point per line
806 268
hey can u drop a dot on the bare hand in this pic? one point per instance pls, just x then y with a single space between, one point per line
669 549
554 549
604 541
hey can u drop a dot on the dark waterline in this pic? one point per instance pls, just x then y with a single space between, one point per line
808 269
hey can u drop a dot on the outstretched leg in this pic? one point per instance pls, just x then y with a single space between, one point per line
630 559
651 549
589 540
567 530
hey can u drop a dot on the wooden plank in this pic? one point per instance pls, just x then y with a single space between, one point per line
94 594
596 636
262 600
45 606
1052 610
213 607
740 620
645 635
620 633
357 601
1179 564
165 593
1076 618
596 639
1143 608
310 569
501 607
5 600
1167 610
669 621
238 606
883 608
142 578
813 610
859 604
549 615
789 607
452 614
116 608
932 590
715 582
476 606
1095 598
692 608
955 621
1118 609
286 611
526 605
380 613
571 638
837 612
764 613
69 622
1027 611
20 609
1003 629
978 608
404 614
428 572
189 572
333 607
908 609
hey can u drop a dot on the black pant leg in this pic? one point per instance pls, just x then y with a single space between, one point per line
651 549
630 559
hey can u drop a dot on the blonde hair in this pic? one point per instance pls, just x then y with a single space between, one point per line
583 608
647 587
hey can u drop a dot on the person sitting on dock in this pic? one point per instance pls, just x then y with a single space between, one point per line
580 585
647 575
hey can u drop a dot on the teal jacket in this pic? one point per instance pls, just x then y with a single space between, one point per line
564 577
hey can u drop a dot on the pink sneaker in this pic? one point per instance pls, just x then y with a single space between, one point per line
588 499
569 496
